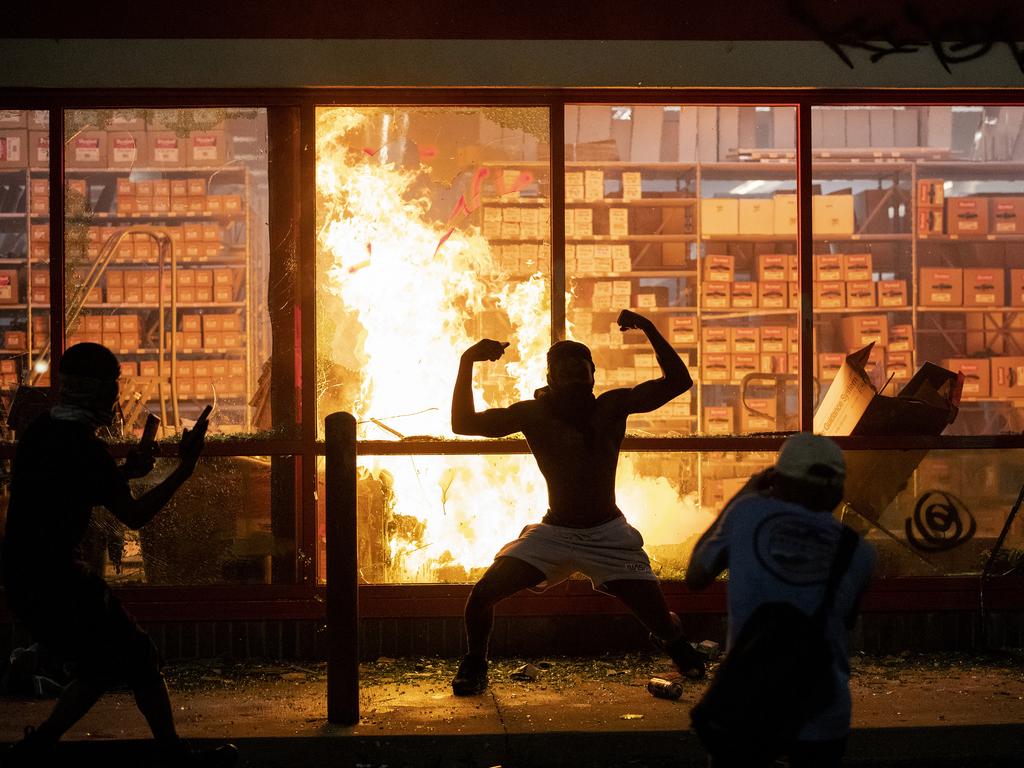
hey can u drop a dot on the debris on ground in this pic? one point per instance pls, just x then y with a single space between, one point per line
527 672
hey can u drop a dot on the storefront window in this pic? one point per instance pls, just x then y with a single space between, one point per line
918 224
24 255
432 232
686 214
216 529
167 260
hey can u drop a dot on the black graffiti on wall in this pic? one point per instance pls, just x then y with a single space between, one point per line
940 522
954 40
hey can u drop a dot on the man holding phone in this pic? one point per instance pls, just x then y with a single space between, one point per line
61 471
575 438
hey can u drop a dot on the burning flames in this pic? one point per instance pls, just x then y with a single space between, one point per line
401 296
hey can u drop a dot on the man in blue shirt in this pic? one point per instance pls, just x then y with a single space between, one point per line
778 538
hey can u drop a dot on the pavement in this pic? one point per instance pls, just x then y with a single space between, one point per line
935 711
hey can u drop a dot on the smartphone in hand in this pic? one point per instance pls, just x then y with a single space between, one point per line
149 431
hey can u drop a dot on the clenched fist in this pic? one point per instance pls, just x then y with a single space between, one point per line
485 349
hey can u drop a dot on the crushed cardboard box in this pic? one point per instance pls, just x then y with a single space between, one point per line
852 406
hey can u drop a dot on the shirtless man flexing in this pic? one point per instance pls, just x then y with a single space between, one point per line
575 438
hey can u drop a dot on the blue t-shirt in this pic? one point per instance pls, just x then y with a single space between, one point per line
777 551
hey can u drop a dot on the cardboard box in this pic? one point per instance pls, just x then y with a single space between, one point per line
13 118
832 214
148 368
860 330
930 192
1006 215
126 149
899 366
892 293
644 297
744 340
213 340
967 215
785 214
204 294
857 266
13 149
719 216
718 419
17 340
901 338
829 364
716 295
743 365
941 287
984 287
757 217
758 414
207 149
191 323
232 203
233 322
715 339
126 120
744 295
715 367
1017 287
719 268
8 286
773 294
930 221
829 266
38 149
682 329
1007 377
774 338
86 149
204 388
830 294
773 266
185 387
860 294
977 373
167 148
92 323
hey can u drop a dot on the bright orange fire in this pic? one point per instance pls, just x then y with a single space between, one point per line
401 298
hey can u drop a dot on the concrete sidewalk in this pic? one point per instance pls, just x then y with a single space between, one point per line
920 711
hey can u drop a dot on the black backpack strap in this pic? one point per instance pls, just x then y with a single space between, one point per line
848 541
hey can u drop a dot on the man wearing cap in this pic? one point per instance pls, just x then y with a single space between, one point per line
61 471
575 438
778 539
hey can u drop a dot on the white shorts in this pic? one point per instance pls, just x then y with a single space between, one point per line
612 551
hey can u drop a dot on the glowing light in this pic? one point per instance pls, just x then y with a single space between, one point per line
402 296
41 366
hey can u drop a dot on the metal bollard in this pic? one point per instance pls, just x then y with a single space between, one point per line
342 571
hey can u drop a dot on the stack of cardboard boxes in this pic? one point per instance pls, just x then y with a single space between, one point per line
725 216
967 216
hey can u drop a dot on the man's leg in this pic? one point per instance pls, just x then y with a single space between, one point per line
505 577
645 599
77 699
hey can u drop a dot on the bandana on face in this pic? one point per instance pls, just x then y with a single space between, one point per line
86 399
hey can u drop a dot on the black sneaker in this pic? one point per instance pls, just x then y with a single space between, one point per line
471 679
